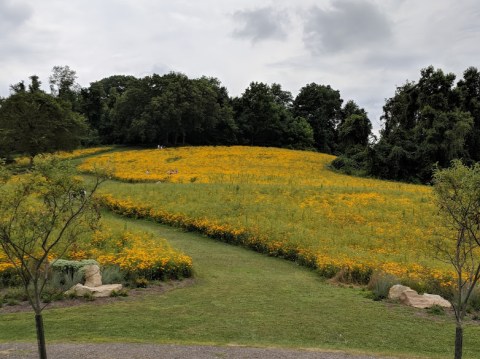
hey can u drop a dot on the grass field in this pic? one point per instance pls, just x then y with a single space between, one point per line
243 298
282 202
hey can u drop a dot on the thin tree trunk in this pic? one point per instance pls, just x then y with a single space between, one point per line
42 348
458 341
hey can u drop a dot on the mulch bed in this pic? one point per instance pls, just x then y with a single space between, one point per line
133 293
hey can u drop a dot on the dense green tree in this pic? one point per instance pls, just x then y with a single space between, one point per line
354 129
424 123
18 87
35 84
63 84
98 100
469 94
35 122
321 106
264 118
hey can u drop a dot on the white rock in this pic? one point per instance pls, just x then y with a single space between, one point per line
93 278
438 300
396 290
413 299
101 291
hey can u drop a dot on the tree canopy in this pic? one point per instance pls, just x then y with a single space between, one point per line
428 122
33 122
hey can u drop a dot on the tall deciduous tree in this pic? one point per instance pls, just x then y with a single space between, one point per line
264 118
469 93
320 105
42 214
457 193
425 123
63 84
35 122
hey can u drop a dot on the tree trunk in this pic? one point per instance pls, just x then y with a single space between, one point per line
458 342
42 348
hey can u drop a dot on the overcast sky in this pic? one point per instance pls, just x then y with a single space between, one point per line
364 48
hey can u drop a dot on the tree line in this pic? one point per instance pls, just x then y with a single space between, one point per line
426 123
173 109
430 121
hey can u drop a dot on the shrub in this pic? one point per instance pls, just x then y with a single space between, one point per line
436 310
71 267
474 300
15 293
112 274
380 284
64 281
51 294
9 278
119 293
141 282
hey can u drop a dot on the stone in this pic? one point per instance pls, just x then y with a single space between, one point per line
396 290
438 300
413 299
93 278
101 291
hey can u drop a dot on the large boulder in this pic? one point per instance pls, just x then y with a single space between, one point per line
106 290
93 278
396 290
408 296
413 299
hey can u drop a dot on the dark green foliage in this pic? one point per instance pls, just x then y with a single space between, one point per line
9 278
71 268
112 274
264 118
174 110
321 106
426 123
35 122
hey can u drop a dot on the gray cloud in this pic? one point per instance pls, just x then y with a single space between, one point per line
12 15
261 24
348 25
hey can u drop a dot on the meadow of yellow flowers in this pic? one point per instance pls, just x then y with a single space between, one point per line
25 161
136 254
281 202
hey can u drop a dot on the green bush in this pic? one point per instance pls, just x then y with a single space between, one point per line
65 281
380 284
52 294
71 267
436 310
474 300
9 278
15 294
141 282
112 275
119 293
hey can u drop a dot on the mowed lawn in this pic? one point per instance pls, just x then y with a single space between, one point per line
244 298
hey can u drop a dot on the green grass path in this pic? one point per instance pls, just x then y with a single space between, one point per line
242 297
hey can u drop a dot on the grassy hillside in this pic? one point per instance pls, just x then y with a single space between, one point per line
242 298
282 202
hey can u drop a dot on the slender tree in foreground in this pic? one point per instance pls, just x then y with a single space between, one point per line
457 194
42 213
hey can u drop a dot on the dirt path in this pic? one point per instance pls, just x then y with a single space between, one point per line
154 351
